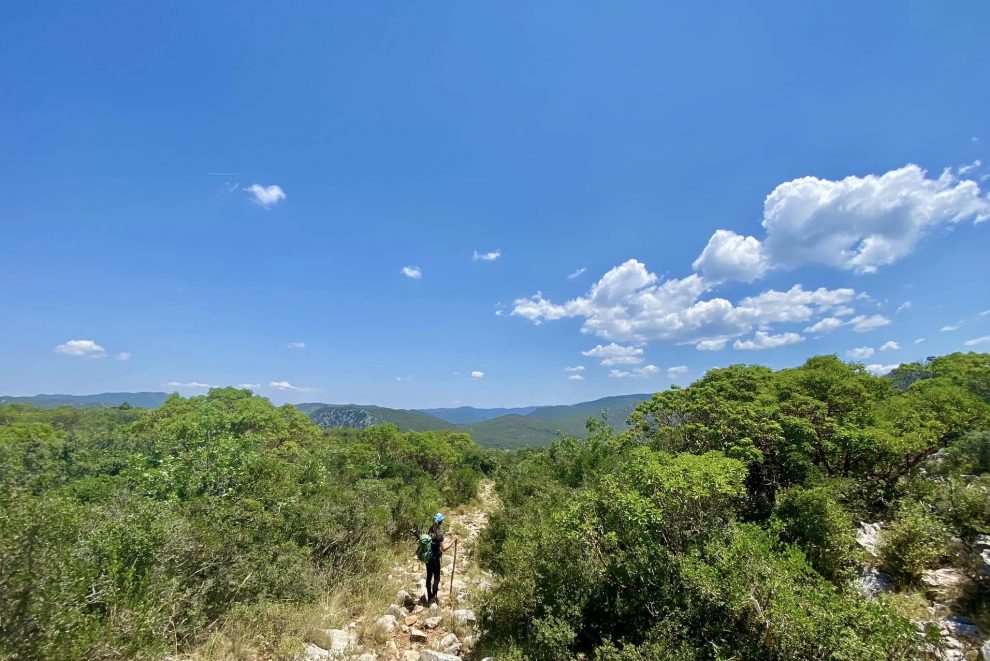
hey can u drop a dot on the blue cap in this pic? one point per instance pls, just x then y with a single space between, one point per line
438 518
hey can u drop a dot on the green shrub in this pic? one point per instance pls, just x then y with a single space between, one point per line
815 521
914 542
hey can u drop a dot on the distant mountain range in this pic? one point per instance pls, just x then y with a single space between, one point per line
138 399
465 415
495 427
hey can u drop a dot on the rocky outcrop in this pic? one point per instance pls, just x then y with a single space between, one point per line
872 582
384 628
868 536
945 584
335 643
430 655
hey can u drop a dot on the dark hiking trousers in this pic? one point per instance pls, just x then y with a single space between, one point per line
432 579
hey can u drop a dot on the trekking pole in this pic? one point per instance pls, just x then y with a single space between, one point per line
453 569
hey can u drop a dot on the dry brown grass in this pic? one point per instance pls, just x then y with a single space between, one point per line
279 630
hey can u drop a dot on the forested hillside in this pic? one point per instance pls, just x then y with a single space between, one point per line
491 428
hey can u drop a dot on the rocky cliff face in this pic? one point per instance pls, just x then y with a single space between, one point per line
344 417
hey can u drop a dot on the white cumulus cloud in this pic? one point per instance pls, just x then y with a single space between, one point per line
858 223
763 340
266 196
977 340
890 345
631 304
880 370
635 373
860 353
81 349
486 256
677 371
477 374
575 377
615 354
412 272
730 256
863 223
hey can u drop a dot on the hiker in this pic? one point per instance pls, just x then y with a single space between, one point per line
437 547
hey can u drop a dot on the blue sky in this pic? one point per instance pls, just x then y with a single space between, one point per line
604 141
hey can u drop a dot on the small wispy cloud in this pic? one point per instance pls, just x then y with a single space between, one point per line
919 340
188 384
122 356
863 323
286 386
295 345
948 328
81 349
826 325
575 377
972 167
576 368
486 256
977 340
711 345
890 345
677 371
412 272
477 374
906 305
985 313
266 196
577 273
860 353
248 386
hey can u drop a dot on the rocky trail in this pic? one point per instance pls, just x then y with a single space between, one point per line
411 630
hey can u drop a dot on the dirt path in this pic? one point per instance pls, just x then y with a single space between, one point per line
447 631
411 630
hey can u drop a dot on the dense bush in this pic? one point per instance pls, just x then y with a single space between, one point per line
814 520
127 533
913 542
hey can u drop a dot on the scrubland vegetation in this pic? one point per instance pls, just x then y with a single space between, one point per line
131 533
722 524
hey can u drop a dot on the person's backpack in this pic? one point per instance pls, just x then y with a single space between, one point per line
424 551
